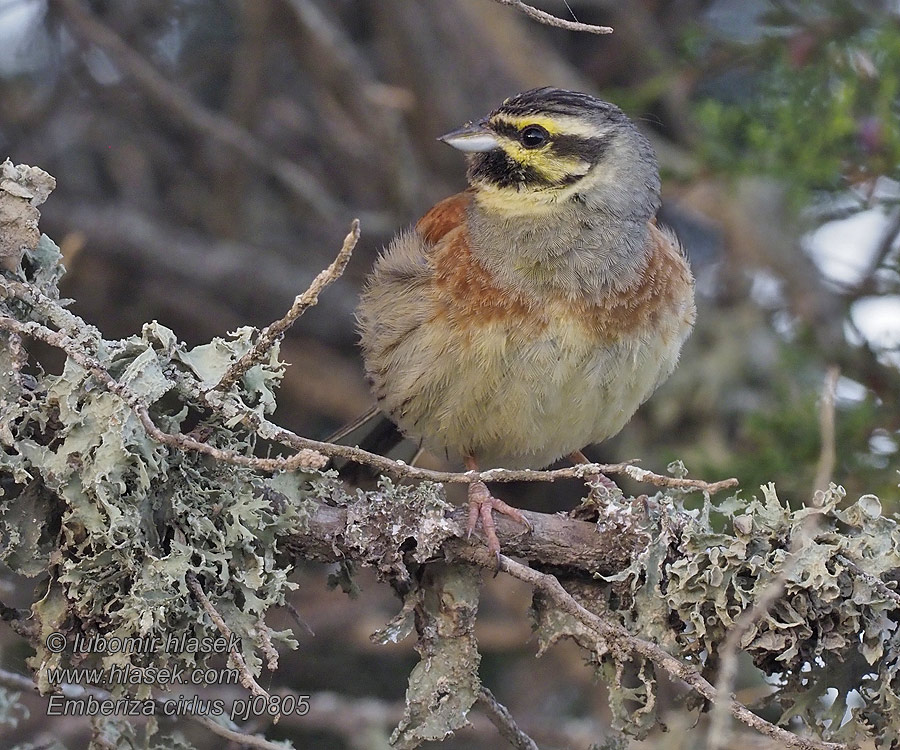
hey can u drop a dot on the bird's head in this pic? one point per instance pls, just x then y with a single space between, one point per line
548 147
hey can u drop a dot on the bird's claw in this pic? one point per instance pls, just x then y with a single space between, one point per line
481 506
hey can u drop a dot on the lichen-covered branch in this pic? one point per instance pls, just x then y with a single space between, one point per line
303 460
233 654
615 636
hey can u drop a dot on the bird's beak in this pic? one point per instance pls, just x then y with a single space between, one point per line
473 137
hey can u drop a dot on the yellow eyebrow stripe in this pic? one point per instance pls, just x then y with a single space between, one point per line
519 122
556 125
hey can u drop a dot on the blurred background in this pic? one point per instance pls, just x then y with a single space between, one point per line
210 156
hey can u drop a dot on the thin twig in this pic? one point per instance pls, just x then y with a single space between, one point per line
502 719
247 679
270 431
828 452
615 633
179 103
309 452
550 20
302 303
298 618
303 460
241 739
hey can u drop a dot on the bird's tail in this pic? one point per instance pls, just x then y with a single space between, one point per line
375 433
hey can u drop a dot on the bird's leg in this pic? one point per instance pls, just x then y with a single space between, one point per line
481 506
577 457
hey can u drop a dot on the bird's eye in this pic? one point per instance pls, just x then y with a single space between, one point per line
533 136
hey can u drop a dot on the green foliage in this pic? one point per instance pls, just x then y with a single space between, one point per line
819 103
782 443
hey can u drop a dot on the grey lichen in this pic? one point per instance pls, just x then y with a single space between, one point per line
385 523
444 685
111 520
834 628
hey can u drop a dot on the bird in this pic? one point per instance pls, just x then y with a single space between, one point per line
531 314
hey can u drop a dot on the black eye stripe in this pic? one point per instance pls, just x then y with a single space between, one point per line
499 168
589 149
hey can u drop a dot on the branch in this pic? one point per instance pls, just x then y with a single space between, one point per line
180 104
304 460
241 739
270 431
502 719
550 20
615 633
828 452
556 540
237 658
302 303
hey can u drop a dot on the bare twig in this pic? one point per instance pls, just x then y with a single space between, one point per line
301 304
247 679
550 20
502 719
828 452
179 103
304 460
241 739
298 618
270 431
617 634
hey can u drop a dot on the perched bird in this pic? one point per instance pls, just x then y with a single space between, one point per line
532 313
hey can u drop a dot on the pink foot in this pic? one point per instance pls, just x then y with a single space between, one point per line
481 506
